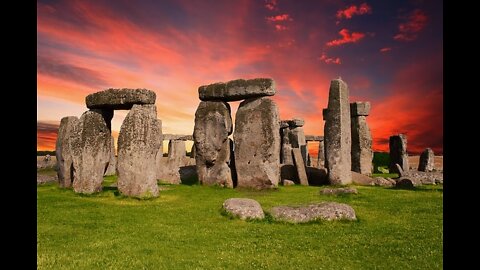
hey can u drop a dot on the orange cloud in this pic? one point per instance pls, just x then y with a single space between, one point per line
386 49
348 12
409 30
46 135
279 18
347 37
330 60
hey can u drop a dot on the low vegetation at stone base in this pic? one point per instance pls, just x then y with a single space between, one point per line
184 229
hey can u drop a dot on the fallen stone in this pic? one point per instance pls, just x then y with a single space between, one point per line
139 141
338 140
287 182
383 182
406 183
427 161
257 143
237 90
426 178
45 179
316 176
361 179
213 124
321 211
63 151
119 99
244 208
336 191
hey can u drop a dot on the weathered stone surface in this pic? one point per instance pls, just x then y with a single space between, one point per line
45 179
43 163
244 208
361 179
300 166
427 161
287 182
383 182
90 145
177 137
359 108
284 124
138 144
324 211
296 122
63 151
426 178
313 138
286 147
338 140
213 124
336 191
257 143
404 182
321 155
193 150
297 140
362 154
237 90
398 152
112 163
398 169
119 99
287 154
169 172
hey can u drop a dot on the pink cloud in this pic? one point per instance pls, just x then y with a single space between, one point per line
280 27
386 49
271 4
347 37
352 10
330 60
279 18
409 30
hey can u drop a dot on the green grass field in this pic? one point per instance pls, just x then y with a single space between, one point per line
184 229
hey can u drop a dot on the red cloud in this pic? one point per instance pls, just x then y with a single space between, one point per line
271 4
409 30
348 12
330 60
387 49
280 27
346 38
279 18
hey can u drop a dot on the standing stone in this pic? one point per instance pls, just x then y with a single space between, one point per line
427 161
398 153
138 144
170 171
338 141
300 166
112 163
286 147
309 160
257 143
362 154
213 124
192 151
321 155
63 151
91 146
297 137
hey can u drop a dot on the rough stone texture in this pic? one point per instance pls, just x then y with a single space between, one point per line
296 122
398 169
336 191
286 147
237 90
287 154
297 140
321 155
45 179
169 172
300 166
284 124
338 141
112 163
360 108
362 154
119 99
42 163
325 211
244 208
257 143
313 138
426 178
427 161
384 182
177 137
90 144
63 151
361 179
404 182
193 150
398 152
213 124
138 144
287 182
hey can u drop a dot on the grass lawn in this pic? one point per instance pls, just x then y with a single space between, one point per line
184 229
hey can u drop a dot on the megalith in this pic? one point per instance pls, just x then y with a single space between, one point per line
213 124
297 136
427 161
321 155
362 154
236 90
63 151
138 143
91 146
398 153
257 143
338 140
169 172
112 163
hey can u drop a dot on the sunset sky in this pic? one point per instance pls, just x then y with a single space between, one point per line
388 52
